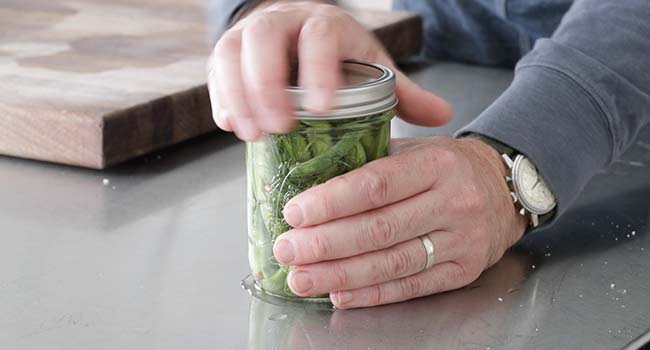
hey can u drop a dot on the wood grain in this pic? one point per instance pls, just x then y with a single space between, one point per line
93 83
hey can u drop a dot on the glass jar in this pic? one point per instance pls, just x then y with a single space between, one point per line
355 132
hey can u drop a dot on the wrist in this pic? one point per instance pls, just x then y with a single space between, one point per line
491 159
530 192
491 164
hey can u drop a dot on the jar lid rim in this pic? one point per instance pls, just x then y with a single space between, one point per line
374 94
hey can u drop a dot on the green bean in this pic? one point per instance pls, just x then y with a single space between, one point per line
320 139
370 144
277 282
300 147
356 157
334 171
383 141
282 166
325 160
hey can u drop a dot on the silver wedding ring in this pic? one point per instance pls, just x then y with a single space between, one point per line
429 249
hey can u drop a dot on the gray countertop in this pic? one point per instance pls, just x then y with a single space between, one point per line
152 258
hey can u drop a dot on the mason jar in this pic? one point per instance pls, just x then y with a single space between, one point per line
279 166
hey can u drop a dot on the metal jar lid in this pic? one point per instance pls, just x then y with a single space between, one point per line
369 89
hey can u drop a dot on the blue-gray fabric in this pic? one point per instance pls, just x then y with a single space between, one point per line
581 90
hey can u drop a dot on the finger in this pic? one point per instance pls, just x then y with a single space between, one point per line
226 80
218 113
404 259
370 231
319 59
265 69
419 106
374 185
439 278
223 120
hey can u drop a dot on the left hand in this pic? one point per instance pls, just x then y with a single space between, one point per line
356 236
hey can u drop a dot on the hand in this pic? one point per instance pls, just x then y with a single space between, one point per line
249 68
356 236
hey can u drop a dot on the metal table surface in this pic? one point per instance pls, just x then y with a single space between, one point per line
152 258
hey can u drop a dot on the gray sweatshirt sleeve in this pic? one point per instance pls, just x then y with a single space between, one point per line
219 13
579 98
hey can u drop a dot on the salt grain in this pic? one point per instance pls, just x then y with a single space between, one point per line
106 182
612 286
500 299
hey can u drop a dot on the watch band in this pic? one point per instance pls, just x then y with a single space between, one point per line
502 148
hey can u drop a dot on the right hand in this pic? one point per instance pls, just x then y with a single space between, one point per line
249 68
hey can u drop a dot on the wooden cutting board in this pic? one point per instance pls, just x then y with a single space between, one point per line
93 82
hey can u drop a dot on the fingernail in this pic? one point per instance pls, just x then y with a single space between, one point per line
344 297
283 251
293 215
301 282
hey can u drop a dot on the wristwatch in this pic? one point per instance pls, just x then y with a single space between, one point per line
530 193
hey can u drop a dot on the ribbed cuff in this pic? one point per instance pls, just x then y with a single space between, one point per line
551 118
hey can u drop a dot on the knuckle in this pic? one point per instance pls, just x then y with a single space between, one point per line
329 10
464 273
376 295
470 201
259 26
325 204
397 263
374 186
321 247
475 200
228 43
380 232
410 287
469 273
341 276
318 27
444 158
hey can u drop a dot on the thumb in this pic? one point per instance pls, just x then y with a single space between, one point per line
418 106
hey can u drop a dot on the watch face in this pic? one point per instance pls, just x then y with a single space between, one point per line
533 192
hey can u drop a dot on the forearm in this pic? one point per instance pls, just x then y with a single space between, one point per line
579 98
